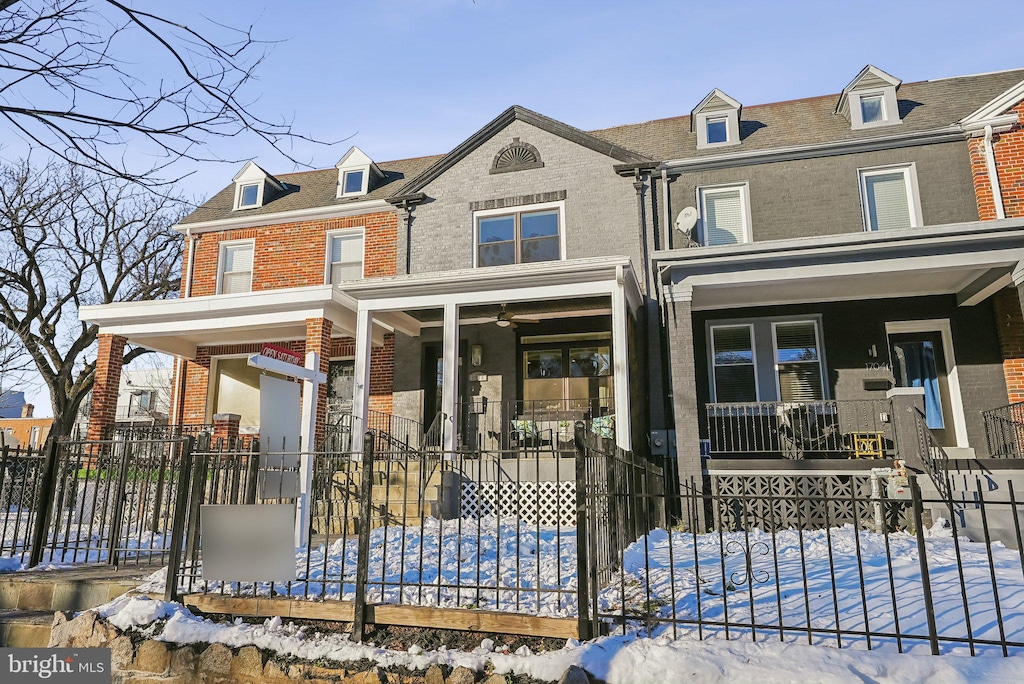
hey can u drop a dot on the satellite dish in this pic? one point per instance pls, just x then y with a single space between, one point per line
686 220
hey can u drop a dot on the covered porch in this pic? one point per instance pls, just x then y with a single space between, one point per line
507 359
801 349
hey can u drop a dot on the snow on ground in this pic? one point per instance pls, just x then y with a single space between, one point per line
518 568
624 659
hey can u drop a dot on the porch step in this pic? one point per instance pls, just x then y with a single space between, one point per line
25 628
1000 525
960 452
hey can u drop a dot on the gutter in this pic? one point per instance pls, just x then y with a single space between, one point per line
313 213
993 174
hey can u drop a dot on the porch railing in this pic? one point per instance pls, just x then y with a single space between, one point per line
860 428
1004 430
541 426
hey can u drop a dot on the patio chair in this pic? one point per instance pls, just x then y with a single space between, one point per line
525 434
802 429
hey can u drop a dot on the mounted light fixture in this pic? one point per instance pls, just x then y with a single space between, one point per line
476 355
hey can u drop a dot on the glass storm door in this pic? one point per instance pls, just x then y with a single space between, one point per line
918 360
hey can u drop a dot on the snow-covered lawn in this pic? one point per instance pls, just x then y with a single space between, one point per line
623 659
798 580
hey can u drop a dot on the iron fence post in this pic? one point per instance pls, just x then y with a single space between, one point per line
922 557
179 521
582 561
122 483
363 554
44 505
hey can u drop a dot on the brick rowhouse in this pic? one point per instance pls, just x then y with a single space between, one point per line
1008 150
289 255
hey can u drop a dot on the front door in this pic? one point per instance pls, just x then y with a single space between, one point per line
919 360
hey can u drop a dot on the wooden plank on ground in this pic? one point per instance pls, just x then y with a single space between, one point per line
472 620
407 616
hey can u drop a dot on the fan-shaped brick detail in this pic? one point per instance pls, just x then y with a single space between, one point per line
516 156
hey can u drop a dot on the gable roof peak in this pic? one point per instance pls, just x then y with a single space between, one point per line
254 172
868 77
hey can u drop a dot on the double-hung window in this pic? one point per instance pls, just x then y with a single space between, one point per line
889 198
235 268
249 196
732 357
345 257
798 361
717 129
520 237
725 215
765 359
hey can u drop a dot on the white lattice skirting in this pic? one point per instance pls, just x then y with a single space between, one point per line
546 503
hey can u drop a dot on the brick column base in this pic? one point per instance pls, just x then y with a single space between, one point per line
225 428
103 410
679 328
318 339
1010 330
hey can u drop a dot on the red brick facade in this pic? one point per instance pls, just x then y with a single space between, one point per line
294 254
103 410
1008 149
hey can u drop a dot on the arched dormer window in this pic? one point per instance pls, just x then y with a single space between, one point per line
516 156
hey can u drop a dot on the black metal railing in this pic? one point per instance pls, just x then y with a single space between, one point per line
861 428
934 457
88 502
1004 430
721 568
543 427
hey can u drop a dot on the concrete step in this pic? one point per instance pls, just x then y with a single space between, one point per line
1000 524
25 628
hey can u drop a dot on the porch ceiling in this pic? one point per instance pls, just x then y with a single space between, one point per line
538 309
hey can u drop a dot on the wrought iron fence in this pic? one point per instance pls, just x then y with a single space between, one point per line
87 502
928 579
1004 431
860 428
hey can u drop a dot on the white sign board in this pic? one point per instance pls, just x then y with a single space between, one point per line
248 543
280 423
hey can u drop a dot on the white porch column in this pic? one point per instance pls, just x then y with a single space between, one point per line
620 354
361 394
307 437
450 375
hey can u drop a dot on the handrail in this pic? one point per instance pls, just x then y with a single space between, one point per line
934 458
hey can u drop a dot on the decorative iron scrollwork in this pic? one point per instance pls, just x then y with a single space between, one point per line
750 575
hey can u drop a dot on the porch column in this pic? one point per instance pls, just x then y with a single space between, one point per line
679 328
361 373
450 376
103 410
620 353
318 341
1018 283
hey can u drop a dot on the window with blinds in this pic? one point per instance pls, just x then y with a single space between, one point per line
887 203
236 268
733 361
798 361
725 215
346 254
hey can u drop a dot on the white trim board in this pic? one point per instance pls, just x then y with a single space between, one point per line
941 326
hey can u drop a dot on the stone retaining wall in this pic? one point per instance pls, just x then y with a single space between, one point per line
159 662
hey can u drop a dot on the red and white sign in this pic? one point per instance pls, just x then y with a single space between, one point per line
274 351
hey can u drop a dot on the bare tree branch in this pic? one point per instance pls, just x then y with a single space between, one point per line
65 86
70 239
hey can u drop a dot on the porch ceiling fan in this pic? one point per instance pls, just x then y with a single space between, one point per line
507 320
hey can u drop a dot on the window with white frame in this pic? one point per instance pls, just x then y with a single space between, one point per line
353 182
235 268
519 237
872 108
889 198
345 256
725 215
733 363
248 195
798 361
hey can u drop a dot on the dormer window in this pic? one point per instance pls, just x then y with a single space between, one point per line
717 130
869 100
716 120
250 195
254 187
356 174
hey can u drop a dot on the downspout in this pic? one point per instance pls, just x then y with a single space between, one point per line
667 229
993 174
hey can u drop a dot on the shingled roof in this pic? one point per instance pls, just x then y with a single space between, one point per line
311 189
924 106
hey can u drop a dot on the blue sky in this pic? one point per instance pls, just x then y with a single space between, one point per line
404 79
